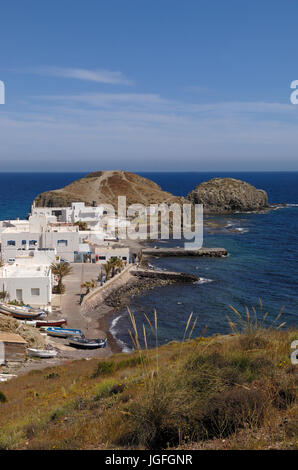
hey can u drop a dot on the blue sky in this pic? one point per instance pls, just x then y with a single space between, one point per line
148 85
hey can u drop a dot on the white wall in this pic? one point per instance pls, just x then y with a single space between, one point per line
26 284
109 253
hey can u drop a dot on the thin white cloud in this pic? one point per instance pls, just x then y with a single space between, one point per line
98 100
147 131
98 76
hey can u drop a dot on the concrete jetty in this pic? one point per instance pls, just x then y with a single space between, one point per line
167 275
181 252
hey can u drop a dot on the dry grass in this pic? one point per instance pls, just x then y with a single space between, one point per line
234 391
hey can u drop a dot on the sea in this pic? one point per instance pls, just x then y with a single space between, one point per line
261 270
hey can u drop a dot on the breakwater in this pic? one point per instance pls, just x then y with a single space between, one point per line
181 252
166 275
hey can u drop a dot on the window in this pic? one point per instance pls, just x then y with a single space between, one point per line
24 242
32 242
101 257
35 292
62 242
11 243
124 258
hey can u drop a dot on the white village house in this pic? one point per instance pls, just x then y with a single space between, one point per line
29 278
29 247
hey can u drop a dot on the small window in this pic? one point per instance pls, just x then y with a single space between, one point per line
62 242
32 242
101 257
124 258
35 292
24 242
11 243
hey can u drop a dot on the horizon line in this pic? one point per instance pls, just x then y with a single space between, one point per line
148 171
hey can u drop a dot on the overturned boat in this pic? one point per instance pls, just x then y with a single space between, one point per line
21 313
62 332
85 343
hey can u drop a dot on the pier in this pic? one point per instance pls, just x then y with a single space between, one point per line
181 252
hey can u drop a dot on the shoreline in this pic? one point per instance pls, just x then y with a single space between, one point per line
117 299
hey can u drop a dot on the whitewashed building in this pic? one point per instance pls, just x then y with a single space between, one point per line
31 284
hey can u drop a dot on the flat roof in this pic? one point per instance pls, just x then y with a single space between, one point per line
21 271
7 337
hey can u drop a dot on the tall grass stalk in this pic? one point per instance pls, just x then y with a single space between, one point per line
250 324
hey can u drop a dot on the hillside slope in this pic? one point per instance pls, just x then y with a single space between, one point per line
232 392
105 187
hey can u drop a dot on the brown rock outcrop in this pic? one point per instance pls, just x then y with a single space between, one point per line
228 195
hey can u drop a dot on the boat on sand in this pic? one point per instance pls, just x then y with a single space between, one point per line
45 323
85 343
45 353
21 313
62 332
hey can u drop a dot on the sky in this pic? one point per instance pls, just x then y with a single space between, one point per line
139 85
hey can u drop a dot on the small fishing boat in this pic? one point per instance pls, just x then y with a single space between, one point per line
6 377
85 343
45 353
45 323
29 322
21 313
62 332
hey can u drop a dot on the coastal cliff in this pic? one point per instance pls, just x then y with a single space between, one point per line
228 195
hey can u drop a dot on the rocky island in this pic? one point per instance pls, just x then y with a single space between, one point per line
218 195
228 195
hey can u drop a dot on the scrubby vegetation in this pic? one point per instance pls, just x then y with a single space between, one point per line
235 392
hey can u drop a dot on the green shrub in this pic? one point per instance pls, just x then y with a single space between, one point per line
52 375
103 368
130 362
3 398
107 388
230 411
152 421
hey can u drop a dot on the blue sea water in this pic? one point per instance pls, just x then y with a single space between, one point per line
262 260
262 264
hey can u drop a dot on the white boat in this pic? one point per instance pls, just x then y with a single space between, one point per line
29 322
21 313
85 343
6 377
45 353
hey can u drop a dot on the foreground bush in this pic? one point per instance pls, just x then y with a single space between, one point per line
212 392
